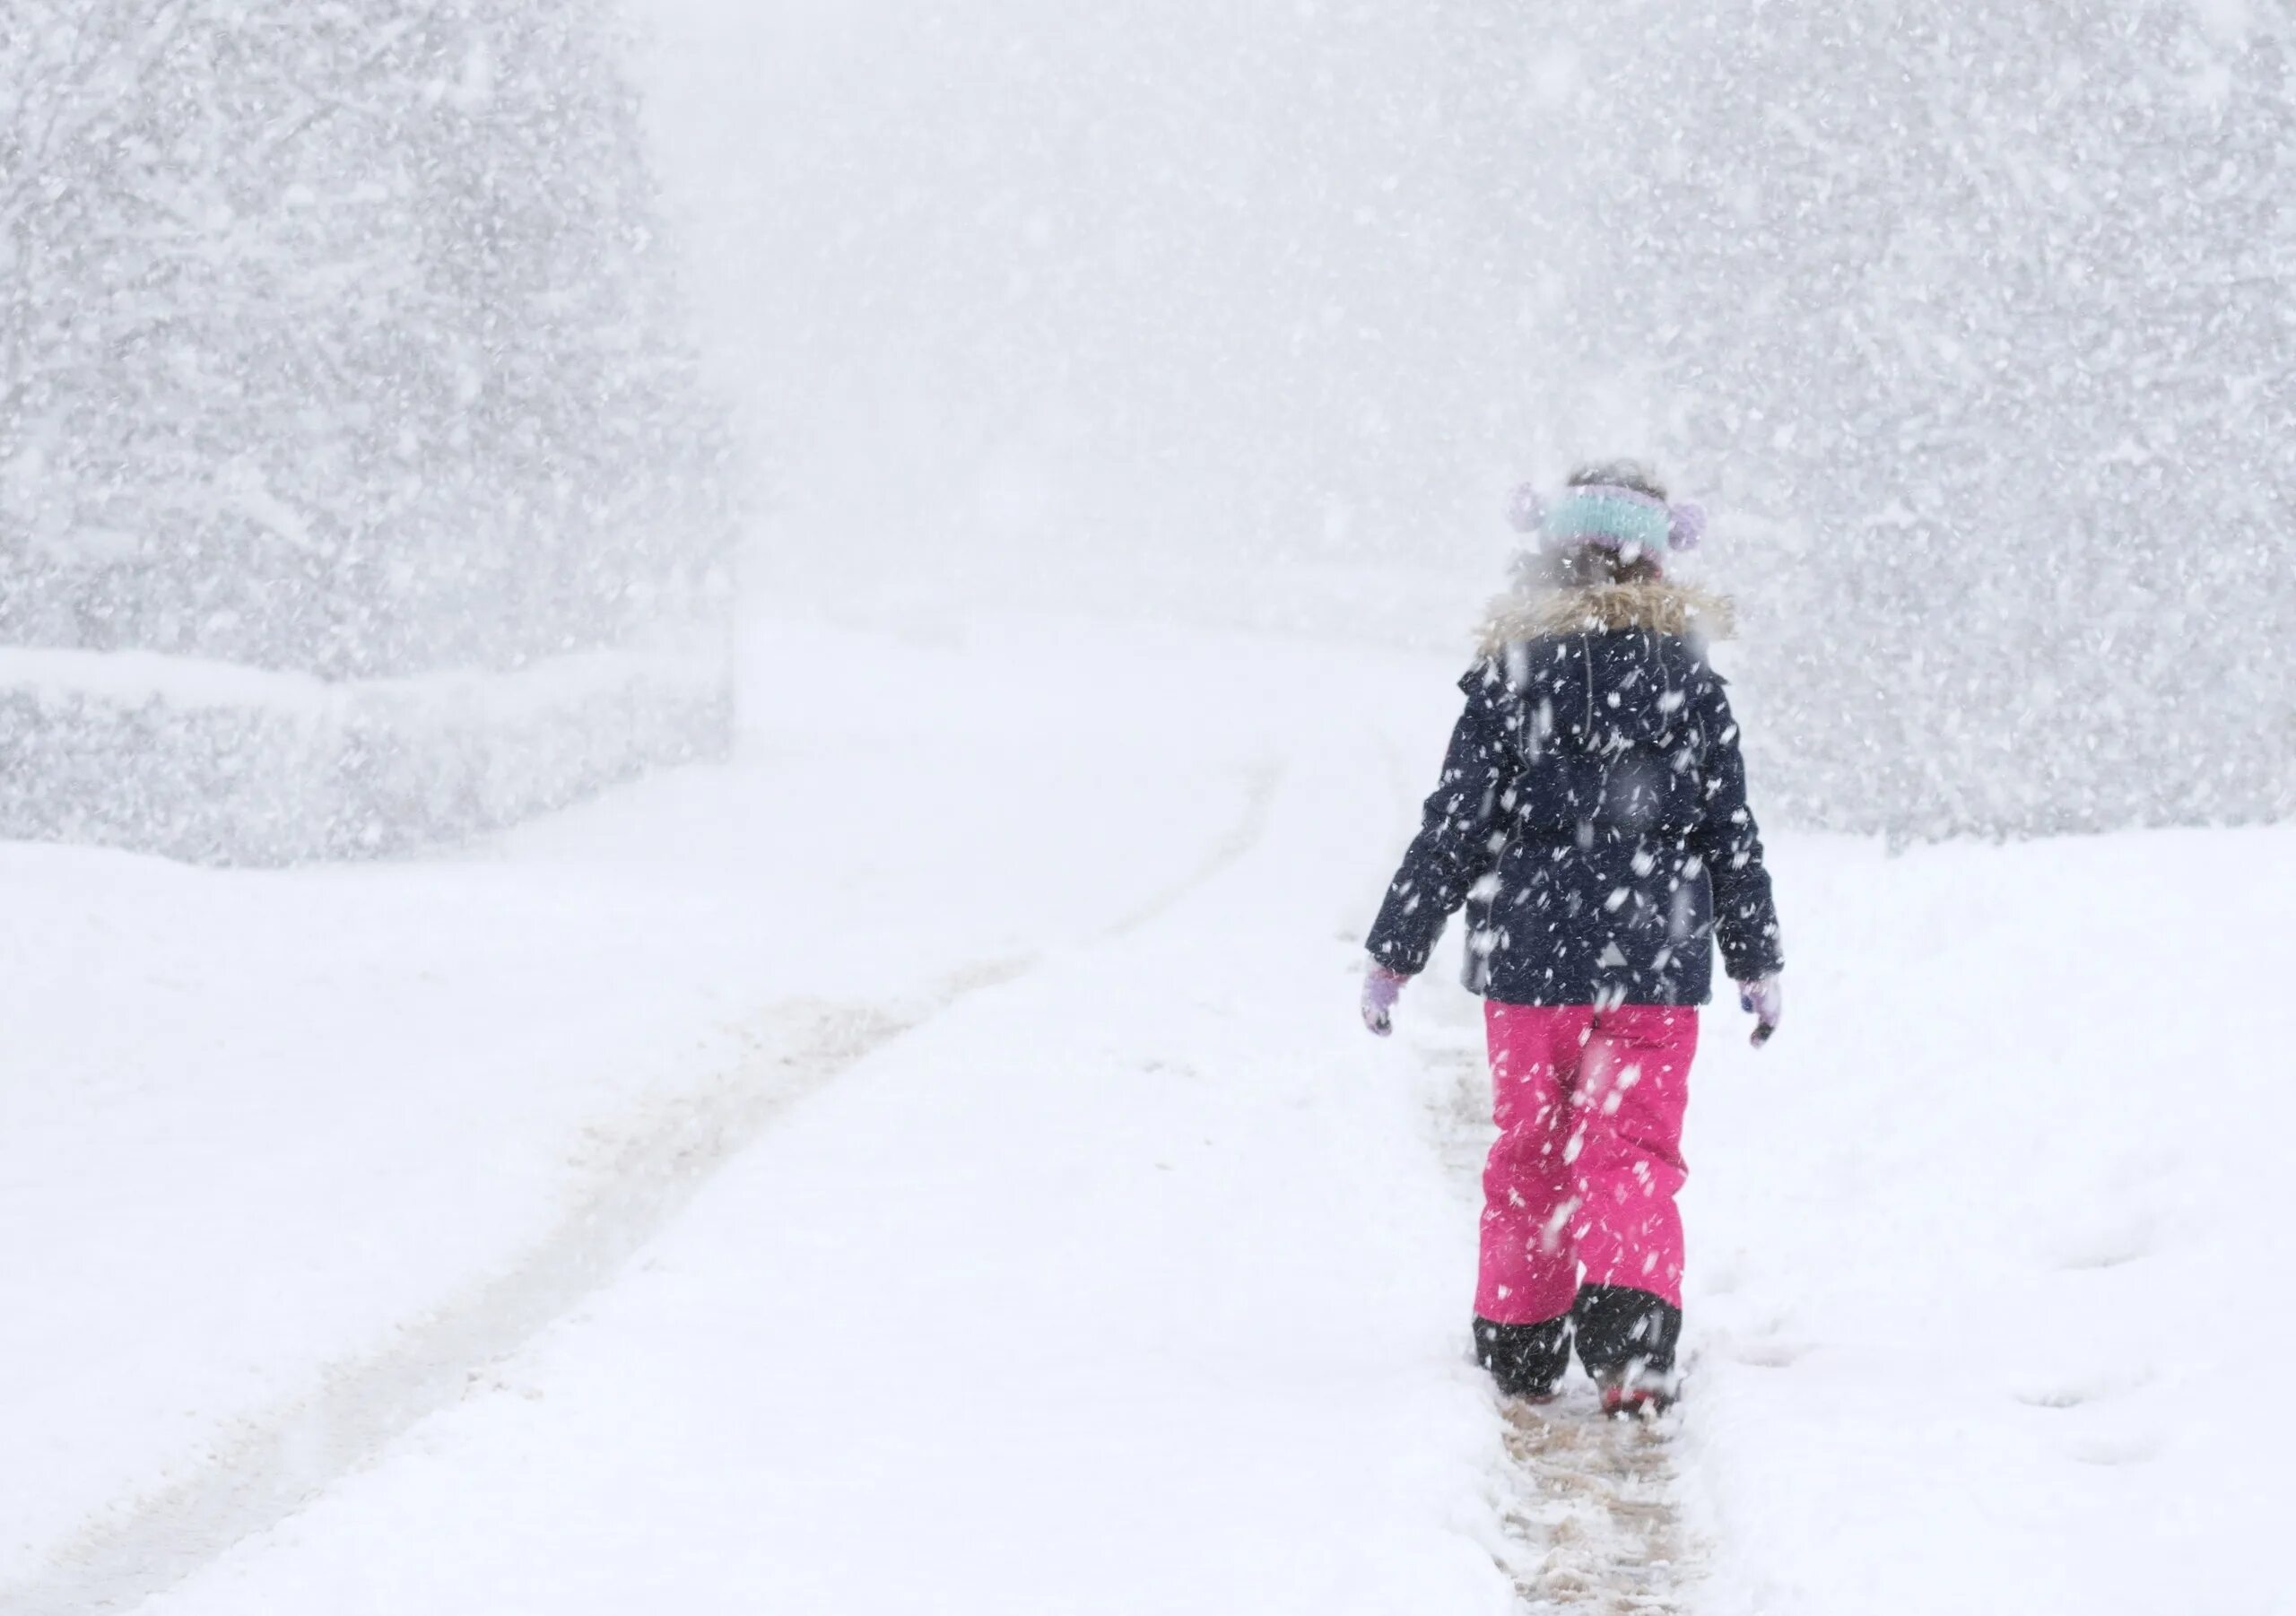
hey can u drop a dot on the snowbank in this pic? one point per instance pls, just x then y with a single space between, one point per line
227 764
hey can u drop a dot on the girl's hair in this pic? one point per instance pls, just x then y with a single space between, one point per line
1590 566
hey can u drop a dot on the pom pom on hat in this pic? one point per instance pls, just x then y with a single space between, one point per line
1686 525
1526 508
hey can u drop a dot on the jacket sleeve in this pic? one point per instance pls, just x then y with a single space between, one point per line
1729 844
1460 835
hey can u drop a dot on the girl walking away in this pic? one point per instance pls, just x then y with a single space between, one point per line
1592 818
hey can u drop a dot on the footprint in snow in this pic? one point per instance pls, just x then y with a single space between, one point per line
2109 1245
1765 1347
2124 1448
2102 1386
1765 1354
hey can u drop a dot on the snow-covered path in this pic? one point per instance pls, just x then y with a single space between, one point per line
1127 1248
933 1165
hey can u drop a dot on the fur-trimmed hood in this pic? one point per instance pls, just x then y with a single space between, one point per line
1662 608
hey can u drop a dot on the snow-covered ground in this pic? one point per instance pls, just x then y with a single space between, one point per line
932 1164
1992 1281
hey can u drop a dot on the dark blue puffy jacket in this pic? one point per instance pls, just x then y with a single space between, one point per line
1592 816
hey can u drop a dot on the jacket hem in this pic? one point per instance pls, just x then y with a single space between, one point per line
1580 1001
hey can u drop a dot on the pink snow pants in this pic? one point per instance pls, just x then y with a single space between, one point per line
1589 1105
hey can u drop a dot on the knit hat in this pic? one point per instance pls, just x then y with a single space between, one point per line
1627 521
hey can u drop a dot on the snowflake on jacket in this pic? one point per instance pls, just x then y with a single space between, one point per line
1592 814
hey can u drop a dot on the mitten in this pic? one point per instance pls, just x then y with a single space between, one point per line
1381 987
1765 1001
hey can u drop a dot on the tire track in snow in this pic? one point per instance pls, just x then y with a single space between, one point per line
632 1177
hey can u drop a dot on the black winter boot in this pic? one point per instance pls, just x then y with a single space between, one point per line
1527 1360
1626 1339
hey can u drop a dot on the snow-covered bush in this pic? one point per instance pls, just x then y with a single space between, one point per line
337 343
